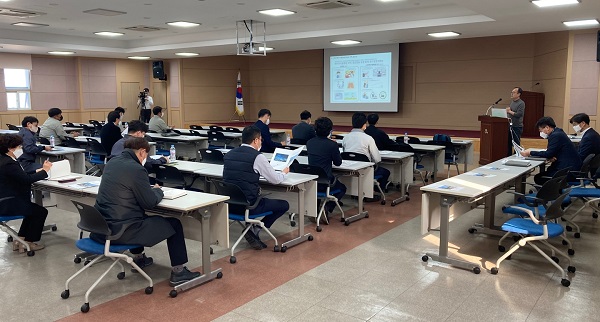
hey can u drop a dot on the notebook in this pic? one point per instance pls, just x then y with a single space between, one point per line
61 171
173 193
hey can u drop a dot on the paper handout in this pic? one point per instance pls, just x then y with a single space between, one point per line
282 158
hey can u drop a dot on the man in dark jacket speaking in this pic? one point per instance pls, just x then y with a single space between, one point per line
123 195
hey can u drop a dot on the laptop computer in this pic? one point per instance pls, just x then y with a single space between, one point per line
499 112
61 171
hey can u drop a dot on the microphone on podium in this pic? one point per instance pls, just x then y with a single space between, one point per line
498 101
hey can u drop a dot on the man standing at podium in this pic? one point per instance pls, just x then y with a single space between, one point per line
515 113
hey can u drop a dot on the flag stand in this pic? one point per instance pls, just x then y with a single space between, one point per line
238 118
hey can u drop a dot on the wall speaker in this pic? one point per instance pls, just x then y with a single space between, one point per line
598 47
158 70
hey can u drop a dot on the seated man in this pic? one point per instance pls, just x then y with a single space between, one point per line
560 150
358 142
157 124
123 195
382 140
111 133
322 152
303 130
590 139
243 167
264 118
30 147
136 129
53 127
121 113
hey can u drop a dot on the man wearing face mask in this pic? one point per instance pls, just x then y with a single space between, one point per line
590 139
53 127
304 131
560 150
136 129
264 118
30 147
243 167
123 195
157 124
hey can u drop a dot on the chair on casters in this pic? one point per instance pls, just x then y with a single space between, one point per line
71 143
418 157
325 196
239 204
12 234
534 229
92 221
590 197
361 157
171 177
97 156
212 156
450 150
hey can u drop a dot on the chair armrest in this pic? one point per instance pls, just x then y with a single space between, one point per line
528 212
255 204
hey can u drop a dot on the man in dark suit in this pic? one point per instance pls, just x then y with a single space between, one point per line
111 132
590 139
264 118
382 140
304 131
123 195
560 150
28 132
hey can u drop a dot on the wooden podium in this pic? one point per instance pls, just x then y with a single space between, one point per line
494 139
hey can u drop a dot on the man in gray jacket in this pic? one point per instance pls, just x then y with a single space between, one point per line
53 127
123 195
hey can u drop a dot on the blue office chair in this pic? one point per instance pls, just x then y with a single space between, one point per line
450 150
534 229
239 211
361 157
12 234
590 196
92 221
97 155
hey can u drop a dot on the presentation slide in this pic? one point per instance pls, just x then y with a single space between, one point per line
361 79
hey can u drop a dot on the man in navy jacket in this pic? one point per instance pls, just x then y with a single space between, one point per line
590 139
30 147
264 118
560 150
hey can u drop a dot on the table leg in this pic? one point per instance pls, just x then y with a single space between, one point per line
301 212
435 169
403 195
361 211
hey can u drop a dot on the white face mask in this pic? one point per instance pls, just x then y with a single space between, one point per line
268 121
543 135
144 162
577 128
18 153
34 129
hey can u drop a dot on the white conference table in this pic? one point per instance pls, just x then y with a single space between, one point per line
229 135
204 217
465 152
185 145
82 139
9 132
446 200
75 156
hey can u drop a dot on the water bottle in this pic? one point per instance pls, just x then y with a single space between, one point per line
172 153
405 138
287 139
52 141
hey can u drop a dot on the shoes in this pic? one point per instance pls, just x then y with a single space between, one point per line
251 239
142 262
32 246
374 199
184 276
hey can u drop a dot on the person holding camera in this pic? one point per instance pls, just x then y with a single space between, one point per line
145 103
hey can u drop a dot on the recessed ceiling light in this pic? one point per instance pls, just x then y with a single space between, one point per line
578 23
139 57
29 24
552 3
187 54
184 24
444 34
276 12
109 33
346 42
64 53
265 48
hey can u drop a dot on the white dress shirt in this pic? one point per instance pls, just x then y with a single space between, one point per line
358 141
264 168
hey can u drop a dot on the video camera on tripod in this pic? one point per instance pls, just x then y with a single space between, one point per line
142 97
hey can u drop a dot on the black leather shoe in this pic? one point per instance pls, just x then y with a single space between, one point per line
184 276
142 262
263 245
251 239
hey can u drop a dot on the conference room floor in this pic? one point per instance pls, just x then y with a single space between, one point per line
370 270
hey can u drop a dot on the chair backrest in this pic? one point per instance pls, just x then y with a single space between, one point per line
585 165
298 141
411 139
215 128
71 142
169 176
400 147
441 138
216 136
69 124
211 156
195 133
233 129
95 147
555 210
337 137
312 170
176 131
91 220
43 140
90 131
235 193
12 127
551 189
196 127
355 156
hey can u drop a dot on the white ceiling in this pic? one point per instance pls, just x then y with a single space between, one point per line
370 21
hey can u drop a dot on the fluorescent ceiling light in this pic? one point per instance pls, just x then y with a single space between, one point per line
64 53
265 48
139 57
183 24
552 3
577 23
187 54
444 34
29 24
276 12
109 33
346 42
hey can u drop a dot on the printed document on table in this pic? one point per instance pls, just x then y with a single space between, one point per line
282 158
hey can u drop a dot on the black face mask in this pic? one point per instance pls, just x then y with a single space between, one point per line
61 118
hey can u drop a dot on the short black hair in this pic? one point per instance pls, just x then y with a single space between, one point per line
9 141
29 119
113 116
156 110
373 118
305 115
545 121
146 90
250 133
137 125
519 90
120 109
358 120
136 144
323 127
263 112
580 117
54 112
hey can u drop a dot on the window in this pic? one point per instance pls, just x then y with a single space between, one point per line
18 85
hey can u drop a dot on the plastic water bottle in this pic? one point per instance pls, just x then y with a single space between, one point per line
287 139
405 138
51 140
172 153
